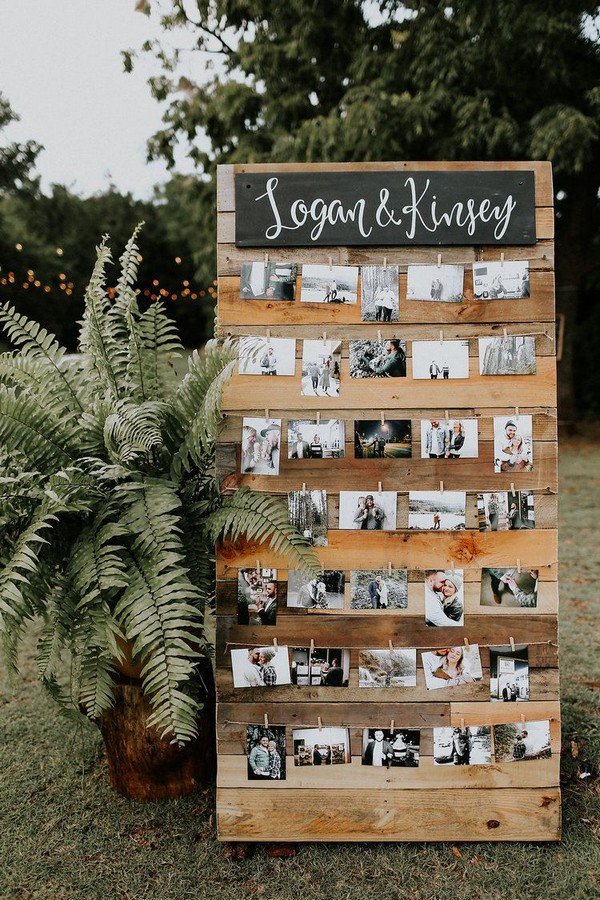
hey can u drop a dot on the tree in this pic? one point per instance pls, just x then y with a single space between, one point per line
16 160
347 80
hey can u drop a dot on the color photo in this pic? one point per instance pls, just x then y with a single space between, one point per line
452 667
390 439
505 511
326 591
265 749
379 589
312 439
387 668
273 281
260 446
321 746
509 587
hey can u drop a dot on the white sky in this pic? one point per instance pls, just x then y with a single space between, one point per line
62 72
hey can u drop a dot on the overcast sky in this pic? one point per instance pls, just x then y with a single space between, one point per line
61 70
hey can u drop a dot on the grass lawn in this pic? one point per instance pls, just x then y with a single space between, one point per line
64 834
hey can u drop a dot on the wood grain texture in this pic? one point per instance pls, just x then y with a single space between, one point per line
521 814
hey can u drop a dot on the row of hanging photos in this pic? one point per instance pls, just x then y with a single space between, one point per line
392 722
439 260
390 566
504 335
447 417
391 647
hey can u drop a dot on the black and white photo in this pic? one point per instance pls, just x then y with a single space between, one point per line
453 439
378 359
261 440
267 356
467 745
307 510
258 596
383 747
321 362
321 746
437 510
509 673
519 741
267 666
452 667
326 591
440 360
507 280
443 283
312 439
510 355
513 443
379 293
379 589
509 587
329 284
387 668
268 281
364 511
265 751
444 597
506 511
320 667
379 439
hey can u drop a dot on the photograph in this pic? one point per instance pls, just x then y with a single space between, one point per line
321 746
509 673
467 746
260 666
507 280
383 747
509 587
454 439
258 596
517 741
307 510
440 359
452 666
506 511
377 439
387 668
441 283
444 597
360 511
260 446
312 439
267 356
329 284
513 444
265 749
437 510
320 667
379 292
511 355
378 359
321 368
270 281
379 589
324 592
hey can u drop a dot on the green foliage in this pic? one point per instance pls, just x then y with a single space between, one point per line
109 501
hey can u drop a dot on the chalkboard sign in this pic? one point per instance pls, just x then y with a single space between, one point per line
296 209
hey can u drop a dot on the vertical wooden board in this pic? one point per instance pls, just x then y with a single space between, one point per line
354 802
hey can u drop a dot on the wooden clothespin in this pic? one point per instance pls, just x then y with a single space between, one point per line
318 418
441 487
447 416
385 262
258 565
511 641
379 338
319 723
379 487
522 720
391 646
266 260
266 721
502 258
312 646
462 723
516 412
518 565
512 487
382 418
330 263
266 412
441 336
268 335
303 487
439 260
505 334
275 643
324 337
389 569
467 645
392 723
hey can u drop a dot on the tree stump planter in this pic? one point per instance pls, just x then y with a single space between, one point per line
141 765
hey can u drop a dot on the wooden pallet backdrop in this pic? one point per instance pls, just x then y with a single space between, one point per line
501 801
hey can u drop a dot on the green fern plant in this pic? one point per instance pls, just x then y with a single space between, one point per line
110 505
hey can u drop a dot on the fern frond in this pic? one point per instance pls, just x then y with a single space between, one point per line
198 402
27 427
133 430
259 517
19 494
103 353
160 345
59 618
38 344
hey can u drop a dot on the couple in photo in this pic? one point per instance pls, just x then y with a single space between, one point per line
258 671
264 759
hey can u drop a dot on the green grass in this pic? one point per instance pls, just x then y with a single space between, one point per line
64 834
